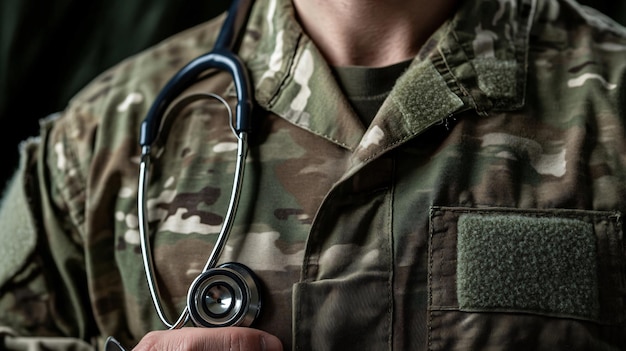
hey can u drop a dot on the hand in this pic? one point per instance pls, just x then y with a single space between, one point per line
209 339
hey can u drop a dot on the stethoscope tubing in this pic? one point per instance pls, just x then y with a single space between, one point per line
217 59
221 57
146 251
229 219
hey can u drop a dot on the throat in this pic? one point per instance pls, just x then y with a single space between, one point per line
371 32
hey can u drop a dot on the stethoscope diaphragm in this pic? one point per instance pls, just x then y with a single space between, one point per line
227 295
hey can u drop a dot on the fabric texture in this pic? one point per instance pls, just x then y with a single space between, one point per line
509 105
366 88
17 221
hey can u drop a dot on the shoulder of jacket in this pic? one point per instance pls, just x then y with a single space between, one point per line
575 15
154 65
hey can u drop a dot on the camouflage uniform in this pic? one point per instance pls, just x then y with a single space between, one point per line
481 209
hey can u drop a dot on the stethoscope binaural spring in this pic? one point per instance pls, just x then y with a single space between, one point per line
228 294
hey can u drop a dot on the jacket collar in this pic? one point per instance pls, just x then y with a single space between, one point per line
476 60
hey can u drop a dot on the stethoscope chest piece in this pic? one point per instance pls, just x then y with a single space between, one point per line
227 295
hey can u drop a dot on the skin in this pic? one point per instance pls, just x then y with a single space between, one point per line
370 33
209 339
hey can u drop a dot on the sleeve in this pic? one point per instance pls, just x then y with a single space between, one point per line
44 302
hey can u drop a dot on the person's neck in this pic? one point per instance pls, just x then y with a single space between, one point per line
371 32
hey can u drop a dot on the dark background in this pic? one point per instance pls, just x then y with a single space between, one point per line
50 49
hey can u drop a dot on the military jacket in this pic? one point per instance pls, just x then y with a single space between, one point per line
480 210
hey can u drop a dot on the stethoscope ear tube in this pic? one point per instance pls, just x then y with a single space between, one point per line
222 238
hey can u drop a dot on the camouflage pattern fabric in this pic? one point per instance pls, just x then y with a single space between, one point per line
513 111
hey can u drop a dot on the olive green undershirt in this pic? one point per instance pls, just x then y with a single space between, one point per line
367 87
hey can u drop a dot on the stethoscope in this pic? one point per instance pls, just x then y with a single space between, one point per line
228 294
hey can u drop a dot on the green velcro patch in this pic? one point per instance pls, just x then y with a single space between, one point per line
496 78
434 102
527 264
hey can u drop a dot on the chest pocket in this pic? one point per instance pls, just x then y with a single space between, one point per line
508 279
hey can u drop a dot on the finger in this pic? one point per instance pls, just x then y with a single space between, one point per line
209 339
